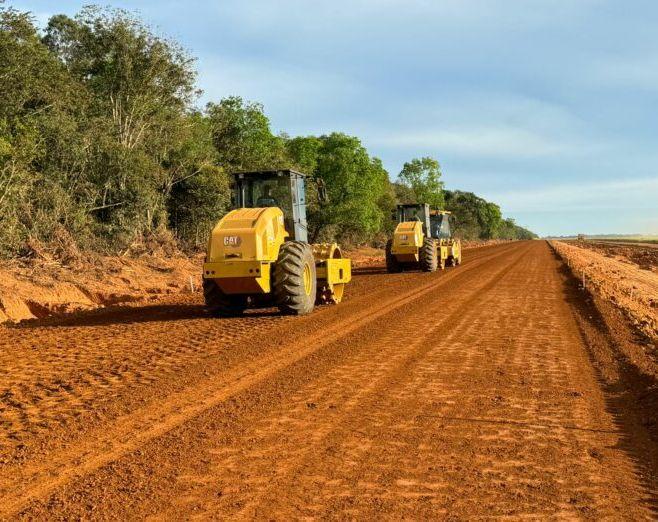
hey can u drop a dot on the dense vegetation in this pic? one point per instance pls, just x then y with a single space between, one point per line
103 148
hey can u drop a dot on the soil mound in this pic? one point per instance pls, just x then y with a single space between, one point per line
38 288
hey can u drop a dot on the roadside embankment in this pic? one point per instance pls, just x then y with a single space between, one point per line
40 288
631 288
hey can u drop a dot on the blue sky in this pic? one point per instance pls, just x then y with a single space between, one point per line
547 107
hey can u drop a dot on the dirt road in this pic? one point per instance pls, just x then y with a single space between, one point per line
466 393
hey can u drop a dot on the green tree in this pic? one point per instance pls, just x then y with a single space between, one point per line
386 202
510 230
423 177
404 194
38 107
140 89
303 152
358 186
475 217
524 233
197 203
101 146
243 138
490 218
507 229
141 81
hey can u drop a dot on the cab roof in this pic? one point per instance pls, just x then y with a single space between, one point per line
433 211
268 173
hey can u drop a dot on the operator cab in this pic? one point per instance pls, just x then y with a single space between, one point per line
436 223
440 224
414 212
285 189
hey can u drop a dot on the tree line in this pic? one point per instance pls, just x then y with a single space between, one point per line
103 147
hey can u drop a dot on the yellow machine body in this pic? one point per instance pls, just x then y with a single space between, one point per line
332 272
242 248
411 246
407 240
244 245
450 248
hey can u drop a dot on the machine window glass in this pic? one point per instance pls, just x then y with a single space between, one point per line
440 226
274 191
413 214
293 190
301 189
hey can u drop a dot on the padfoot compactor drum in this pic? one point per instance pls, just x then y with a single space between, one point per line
422 239
259 255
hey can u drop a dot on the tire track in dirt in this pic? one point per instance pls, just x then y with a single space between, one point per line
76 370
528 436
369 374
147 423
526 440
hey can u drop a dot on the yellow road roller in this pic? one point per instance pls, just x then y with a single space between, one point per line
422 239
259 255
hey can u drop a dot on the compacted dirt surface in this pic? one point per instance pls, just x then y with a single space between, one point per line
490 389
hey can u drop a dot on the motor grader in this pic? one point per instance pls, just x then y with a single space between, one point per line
259 254
422 239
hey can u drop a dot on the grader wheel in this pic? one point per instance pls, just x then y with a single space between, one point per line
328 293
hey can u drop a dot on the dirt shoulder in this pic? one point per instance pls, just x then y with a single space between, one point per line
626 362
631 288
617 307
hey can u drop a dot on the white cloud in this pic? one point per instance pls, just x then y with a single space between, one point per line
622 195
626 72
452 15
475 125
298 93
481 141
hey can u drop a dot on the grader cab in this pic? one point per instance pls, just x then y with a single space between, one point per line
422 239
259 254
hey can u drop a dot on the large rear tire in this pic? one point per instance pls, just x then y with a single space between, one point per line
294 283
392 264
428 256
220 304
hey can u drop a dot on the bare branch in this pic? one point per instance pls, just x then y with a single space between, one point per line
105 206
